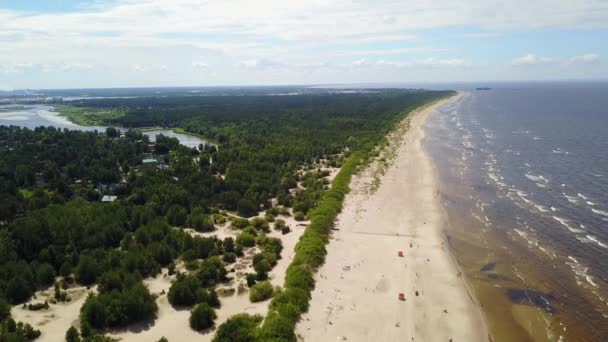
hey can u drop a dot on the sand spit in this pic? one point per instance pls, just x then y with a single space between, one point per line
357 291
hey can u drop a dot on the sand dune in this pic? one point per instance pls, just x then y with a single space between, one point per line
357 293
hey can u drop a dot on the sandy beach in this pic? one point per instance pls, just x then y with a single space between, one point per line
357 290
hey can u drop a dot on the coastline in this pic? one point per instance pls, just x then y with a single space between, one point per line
356 296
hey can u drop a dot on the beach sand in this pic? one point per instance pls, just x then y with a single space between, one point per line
356 297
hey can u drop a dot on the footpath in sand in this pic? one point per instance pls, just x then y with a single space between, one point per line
356 297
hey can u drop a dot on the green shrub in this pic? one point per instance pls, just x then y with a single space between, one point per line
183 292
299 216
251 279
245 239
279 224
208 296
72 335
5 309
229 258
238 328
260 291
202 317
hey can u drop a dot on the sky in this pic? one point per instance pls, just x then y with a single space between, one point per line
139 43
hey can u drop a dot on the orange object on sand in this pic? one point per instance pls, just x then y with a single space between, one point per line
401 296
400 253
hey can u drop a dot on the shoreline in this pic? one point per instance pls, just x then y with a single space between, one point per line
357 289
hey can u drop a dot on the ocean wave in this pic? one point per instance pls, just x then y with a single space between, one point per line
582 196
564 223
571 199
600 212
539 180
581 271
560 151
591 203
597 241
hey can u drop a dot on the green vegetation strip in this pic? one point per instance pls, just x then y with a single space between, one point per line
287 306
88 116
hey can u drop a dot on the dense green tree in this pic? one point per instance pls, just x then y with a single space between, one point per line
202 317
72 335
183 292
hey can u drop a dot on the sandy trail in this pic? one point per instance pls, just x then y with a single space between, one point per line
357 289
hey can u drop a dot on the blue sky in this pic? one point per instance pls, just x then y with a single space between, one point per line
74 43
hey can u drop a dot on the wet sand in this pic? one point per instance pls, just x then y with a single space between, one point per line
390 209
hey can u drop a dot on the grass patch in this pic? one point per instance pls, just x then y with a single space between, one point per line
86 116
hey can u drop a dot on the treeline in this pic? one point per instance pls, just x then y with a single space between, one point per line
52 223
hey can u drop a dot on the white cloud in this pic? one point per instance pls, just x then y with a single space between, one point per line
315 34
360 63
443 62
262 63
586 58
530 59
200 65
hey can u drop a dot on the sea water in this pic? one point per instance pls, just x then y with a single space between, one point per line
531 162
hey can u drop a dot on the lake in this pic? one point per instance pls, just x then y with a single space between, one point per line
32 116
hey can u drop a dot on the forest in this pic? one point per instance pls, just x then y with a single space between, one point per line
83 207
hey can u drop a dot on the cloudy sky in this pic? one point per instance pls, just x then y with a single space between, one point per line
80 43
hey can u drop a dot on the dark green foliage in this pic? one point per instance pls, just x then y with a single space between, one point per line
260 291
299 216
229 258
238 328
5 309
246 208
119 303
12 331
45 274
72 335
183 292
208 296
38 306
176 215
199 221
251 279
211 272
88 270
18 290
245 239
202 317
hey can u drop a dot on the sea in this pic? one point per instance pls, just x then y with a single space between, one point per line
523 169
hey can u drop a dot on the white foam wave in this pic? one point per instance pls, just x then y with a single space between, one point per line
597 241
560 151
581 272
600 212
564 223
571 199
